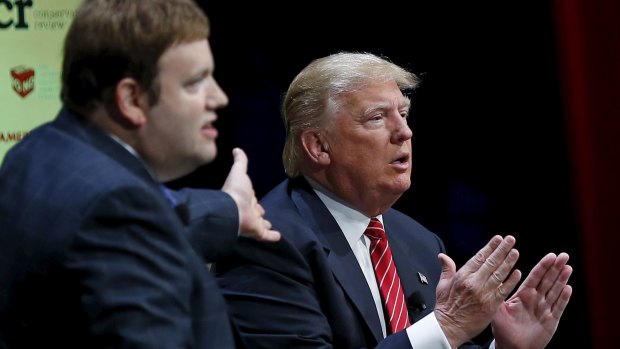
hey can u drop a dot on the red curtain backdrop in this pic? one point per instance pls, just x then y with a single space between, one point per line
588 33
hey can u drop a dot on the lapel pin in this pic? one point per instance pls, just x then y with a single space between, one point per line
423 278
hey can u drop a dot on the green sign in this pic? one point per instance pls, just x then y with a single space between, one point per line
31 38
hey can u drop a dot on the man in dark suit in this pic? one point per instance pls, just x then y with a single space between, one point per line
94 251
348 158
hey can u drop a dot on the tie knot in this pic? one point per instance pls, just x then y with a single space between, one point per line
375 229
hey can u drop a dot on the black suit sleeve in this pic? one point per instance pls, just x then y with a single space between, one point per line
131 264
213 222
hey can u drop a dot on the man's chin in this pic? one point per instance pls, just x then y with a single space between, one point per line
209 154
401 186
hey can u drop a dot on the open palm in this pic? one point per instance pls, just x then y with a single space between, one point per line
530 317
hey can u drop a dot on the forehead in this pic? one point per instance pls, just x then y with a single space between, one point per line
187 56
374 94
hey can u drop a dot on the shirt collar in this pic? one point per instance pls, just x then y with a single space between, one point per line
133 152
352 222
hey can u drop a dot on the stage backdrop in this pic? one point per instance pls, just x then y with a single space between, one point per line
31 38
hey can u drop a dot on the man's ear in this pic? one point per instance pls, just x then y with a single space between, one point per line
132 101
315 146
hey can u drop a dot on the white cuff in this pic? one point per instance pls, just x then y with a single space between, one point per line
426 334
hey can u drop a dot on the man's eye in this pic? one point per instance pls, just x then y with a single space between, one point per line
194 82
376 117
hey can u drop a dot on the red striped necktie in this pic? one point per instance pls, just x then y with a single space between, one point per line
387 277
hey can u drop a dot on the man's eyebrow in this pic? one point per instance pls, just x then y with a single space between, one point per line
403 103
406 102
375 107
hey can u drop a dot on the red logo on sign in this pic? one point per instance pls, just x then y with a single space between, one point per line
23 80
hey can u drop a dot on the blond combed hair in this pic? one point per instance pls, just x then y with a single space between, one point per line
312 96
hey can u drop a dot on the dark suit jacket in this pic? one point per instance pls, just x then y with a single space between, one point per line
92 255
308 291
213 221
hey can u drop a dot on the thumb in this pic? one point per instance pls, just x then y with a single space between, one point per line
448 267
240 160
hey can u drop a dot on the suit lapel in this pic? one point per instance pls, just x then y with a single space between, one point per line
403 258
342 261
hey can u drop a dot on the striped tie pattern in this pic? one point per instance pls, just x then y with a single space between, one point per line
387 277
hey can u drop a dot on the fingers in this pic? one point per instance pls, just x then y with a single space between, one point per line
539 271
255 226
549 276
269 234
494 261
502 279
475 262
266 233
262 231
562 301
261 210
492 266
559 293
504 289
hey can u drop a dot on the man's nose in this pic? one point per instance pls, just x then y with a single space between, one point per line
402 132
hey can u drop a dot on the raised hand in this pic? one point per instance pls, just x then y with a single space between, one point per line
468 299
529 318
239 186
